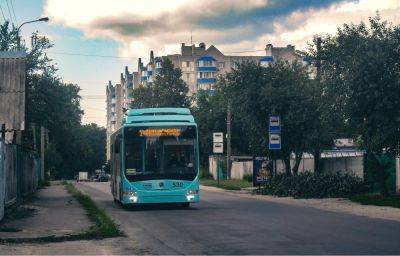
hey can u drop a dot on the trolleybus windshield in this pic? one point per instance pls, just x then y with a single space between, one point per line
160 153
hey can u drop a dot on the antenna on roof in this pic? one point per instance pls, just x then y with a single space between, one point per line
191 37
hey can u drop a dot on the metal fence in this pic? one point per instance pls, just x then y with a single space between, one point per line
19 174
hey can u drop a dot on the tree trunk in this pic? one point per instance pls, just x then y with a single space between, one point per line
286 160
297 163
317 161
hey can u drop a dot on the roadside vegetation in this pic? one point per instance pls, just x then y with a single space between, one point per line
103 226
227 184
313 185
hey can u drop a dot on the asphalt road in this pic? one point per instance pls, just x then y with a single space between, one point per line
226 224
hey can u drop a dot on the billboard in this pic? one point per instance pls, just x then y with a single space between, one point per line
12 90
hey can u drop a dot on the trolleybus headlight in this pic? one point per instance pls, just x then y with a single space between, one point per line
132 196
191 193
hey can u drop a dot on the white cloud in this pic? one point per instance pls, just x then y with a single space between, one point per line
162 25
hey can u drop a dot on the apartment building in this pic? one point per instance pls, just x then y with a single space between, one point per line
201 66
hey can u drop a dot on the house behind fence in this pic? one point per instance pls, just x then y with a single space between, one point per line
19 174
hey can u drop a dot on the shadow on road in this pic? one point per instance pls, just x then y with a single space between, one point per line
157 207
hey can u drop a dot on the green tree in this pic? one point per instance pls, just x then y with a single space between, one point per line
210 115
56 106
283 89
167 90
360 74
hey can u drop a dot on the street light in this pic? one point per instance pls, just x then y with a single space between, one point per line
45 19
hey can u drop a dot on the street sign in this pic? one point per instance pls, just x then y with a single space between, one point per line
218 137
218 142
274 141
274 124
218 147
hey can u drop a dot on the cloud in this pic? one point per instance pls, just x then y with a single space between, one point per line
233 25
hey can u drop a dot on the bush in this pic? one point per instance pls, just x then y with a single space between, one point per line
314 185
204 174
248 177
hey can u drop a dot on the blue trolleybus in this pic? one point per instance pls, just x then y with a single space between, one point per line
155 158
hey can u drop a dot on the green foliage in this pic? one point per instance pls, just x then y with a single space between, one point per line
43 184
380 173
210 116
314 185
167 90
255 92
360 78
56 106
104 226
248 177
227 184
377 199
204 174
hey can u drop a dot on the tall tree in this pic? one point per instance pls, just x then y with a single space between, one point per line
167 90
56 106
360 73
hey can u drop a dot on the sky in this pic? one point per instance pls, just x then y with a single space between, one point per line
112 34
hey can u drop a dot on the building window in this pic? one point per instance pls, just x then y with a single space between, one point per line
187 76
221 64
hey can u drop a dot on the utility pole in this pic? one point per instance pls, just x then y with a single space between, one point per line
42 134
228 142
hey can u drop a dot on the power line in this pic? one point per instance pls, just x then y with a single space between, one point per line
12 8
9 12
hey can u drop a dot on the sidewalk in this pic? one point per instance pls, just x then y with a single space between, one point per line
328 204
57 213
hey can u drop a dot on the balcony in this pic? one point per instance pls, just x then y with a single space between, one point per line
206 80
207 69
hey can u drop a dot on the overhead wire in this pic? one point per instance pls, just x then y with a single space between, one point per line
13 11
9 12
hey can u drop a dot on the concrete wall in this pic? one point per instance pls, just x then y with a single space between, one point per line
2 182
349 164
212 166
239 169
19 174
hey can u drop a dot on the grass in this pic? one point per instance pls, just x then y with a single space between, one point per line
103 226
43 184
377 199
227 184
